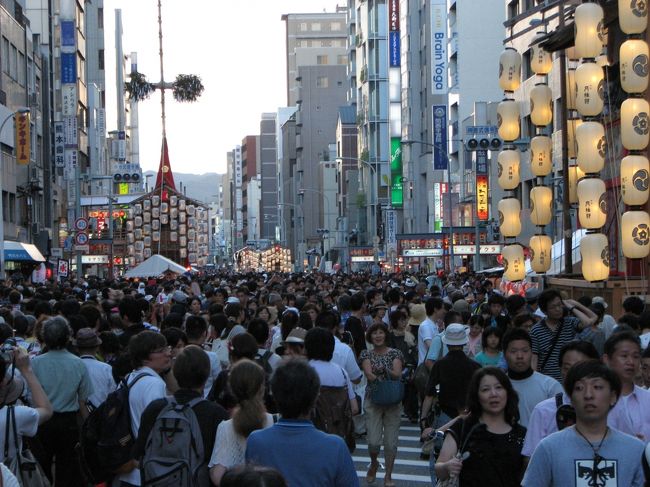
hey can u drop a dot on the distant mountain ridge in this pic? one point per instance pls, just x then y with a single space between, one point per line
201 187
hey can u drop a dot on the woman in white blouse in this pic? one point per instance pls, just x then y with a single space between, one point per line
247 385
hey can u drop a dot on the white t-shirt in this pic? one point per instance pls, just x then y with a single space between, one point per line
344 356
229 447
26 425
332 375
143 393
101 377
533 390
274 360
215 368
8 479
426 331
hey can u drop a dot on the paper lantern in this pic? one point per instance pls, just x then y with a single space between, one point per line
146 217
572 126
147 241
635 234
592 209
155 236
509 69
571 93
164 207
541 61
540 253
509 217
594 254
634 65
590 83
155 212
541 162
508 163
155 200
508 120
592 146
541 202
588 30
635 173
514 267
633 16
634 123
181 205
147 253
541 105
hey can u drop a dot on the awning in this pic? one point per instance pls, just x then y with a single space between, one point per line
18 251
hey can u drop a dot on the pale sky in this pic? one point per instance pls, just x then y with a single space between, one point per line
238 50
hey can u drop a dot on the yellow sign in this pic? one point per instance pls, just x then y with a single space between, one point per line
482 199
23 144
123 188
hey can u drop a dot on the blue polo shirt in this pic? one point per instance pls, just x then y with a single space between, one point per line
305 456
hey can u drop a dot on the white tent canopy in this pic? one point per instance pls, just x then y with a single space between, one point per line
154 266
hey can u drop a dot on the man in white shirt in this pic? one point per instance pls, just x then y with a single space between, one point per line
100 373
343 354
196 329
151 357
429 328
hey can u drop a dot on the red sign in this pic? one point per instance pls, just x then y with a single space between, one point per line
393 15
482 199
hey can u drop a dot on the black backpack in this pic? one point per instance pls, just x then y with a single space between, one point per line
106 439
263 360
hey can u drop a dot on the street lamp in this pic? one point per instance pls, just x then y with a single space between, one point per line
2 226
374 196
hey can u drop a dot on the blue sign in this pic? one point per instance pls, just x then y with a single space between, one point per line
67 33
440 153
395 53
68 68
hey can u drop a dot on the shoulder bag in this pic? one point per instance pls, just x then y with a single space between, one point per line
386 392
23 465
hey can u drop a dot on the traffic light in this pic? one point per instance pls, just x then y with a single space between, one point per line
484 143
126 177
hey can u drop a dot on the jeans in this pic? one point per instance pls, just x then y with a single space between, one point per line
441 420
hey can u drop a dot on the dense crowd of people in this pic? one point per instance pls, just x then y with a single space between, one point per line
270 379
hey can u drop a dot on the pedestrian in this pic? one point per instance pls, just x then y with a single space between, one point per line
305 456
484 448
491 354
196 329
100 373
382 363
246 381
590 452
252 476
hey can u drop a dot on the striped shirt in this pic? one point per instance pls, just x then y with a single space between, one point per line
542 337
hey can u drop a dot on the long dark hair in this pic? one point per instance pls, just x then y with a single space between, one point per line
511 413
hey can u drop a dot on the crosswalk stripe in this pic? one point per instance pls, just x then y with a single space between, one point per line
399 476
398 461
408 438
405 449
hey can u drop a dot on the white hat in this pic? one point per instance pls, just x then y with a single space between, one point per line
455 335
599 299
232 299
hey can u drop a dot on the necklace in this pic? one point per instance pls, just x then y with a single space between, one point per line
595 449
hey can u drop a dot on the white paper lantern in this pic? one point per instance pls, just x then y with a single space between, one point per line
164 219
540 253
635 123
588 21
155 200
138 234
181 205
146 205
575 175
635 234
137 209
509 69
509 217
514 266
155 236
592 146
164 207
182 216
590 83
155 225
541 61
634 65
508 120
173 236
633 16
541 202
147 241
541 161
635 179
183 253
182 241
146 217
155 212
508 164
594 253
541 105
592 209
147 252
137 221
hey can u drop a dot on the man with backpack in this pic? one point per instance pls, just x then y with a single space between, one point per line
265 358
177 434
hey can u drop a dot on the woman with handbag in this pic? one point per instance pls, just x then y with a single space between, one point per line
485 447
382 367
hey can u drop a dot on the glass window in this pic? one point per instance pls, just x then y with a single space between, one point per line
100 18
315 26
322 82
341 59
326 43
303 26
100 59
335 26
21 69
5 55
13 62
322 59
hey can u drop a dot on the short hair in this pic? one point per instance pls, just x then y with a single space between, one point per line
633 304
70 307
6 332
516 334
172 320
56 333
232 310
195 327
21 325
519 320
243 346
395 316
91 313
43 308
295 386
142 344
591 369
259 329
489 331
357 301
581 346
452 316
511 413
546 297
630 320
174 335
192 367
373 328
432 304
130 309
618 337
514 303
319 344
328 319
496 299
252 476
